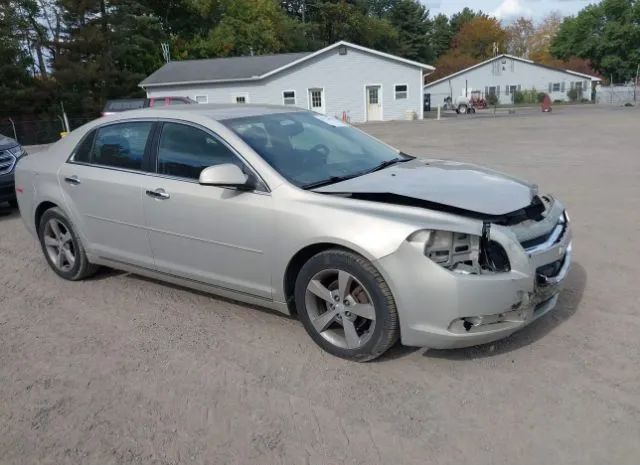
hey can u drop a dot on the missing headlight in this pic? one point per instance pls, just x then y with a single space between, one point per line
455 251
466 253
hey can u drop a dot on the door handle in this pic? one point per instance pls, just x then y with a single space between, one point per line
73 180
159 194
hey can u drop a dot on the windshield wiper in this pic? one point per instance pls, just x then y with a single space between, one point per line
388 163
326 182
335 179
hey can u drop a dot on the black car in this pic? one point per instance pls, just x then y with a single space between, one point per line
10 153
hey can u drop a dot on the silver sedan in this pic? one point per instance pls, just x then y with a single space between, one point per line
300 213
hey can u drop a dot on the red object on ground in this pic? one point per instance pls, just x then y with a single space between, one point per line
546 103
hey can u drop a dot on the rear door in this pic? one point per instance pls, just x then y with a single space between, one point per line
102 184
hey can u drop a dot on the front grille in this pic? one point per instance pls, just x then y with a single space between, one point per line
7 162
548 239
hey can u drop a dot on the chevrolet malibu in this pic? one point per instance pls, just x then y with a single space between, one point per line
298 212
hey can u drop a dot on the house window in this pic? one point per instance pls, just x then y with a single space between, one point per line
240 98
555 87
202 98
401 91
316 98
289 97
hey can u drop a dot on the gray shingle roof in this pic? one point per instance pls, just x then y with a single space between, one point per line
220 69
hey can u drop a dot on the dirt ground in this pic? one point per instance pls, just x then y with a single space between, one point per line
124 370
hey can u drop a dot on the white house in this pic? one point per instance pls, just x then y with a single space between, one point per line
342 79
503 75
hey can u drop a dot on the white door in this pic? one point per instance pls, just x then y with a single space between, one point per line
316 100
374 103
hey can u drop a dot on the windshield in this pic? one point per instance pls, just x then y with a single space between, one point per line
310 149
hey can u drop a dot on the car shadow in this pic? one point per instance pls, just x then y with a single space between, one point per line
568 304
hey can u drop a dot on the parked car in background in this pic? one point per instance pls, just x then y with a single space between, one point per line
167 101
116 106
10 153
301 213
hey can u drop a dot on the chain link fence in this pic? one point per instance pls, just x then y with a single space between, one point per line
618 94
34 130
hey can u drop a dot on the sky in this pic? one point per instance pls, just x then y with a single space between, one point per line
508 9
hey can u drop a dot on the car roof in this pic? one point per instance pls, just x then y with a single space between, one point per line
214 111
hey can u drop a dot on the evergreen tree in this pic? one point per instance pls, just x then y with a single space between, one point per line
411 19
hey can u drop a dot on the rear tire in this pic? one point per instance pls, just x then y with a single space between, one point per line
346 305
62 247
13 203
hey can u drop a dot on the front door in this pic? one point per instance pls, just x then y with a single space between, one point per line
374 103
209 234
316 100
103 184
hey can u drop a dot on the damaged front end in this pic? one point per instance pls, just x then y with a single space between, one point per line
495 281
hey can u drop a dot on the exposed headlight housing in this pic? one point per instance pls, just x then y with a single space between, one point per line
464 253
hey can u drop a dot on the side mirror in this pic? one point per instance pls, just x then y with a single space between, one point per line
225 175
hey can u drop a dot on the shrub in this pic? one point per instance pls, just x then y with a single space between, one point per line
541 97
492 99
573 95
519 97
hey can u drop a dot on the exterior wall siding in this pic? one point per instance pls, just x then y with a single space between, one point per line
512 73
342 77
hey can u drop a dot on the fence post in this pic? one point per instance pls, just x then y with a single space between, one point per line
13 125
438 112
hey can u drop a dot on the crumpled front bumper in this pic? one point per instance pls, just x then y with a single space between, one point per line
434 303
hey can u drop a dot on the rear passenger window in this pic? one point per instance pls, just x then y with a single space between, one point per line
121 145
184 151
83 151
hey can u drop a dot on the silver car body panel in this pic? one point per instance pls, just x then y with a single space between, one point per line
459 185
239 244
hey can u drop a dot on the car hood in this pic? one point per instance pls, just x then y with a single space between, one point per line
6 142
457 185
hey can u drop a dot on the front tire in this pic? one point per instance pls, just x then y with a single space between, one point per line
62 247
346 305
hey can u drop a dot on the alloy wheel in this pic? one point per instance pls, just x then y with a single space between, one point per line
340 309
59 245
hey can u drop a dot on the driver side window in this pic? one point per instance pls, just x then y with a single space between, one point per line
184 151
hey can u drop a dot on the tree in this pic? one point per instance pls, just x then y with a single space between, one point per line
607 34
451 62
15 62
411 19
441 35
106 50
519 34
541 39
480 37
463 17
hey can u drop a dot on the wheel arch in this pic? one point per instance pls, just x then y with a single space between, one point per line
40 209
298 260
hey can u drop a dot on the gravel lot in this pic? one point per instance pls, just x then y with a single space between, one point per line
124 370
